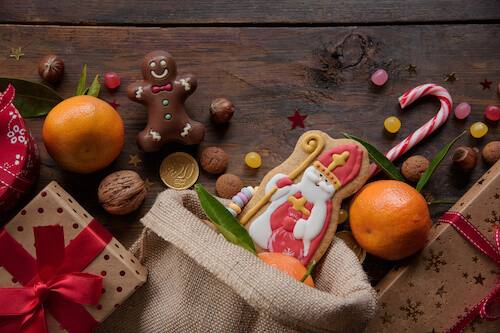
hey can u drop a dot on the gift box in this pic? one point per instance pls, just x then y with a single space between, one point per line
20 158
446 285
60 268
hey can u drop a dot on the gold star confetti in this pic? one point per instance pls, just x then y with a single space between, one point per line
441 291
412 69
134 159
386 318
451 78
16 53
147 184
479 279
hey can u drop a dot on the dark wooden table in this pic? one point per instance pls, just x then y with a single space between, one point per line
269 58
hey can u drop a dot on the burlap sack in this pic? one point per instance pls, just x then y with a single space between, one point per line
199 282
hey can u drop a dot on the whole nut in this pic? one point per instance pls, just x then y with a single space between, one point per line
51 68
464 158
414 167
221 110
491 152
121 192
213 160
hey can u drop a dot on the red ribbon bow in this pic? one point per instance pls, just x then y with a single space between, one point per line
52 282
157 89
474 236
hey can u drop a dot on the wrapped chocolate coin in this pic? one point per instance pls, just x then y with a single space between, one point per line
349 239
179 171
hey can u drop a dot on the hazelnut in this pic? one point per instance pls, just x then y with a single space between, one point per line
213 160
228 185
221 110
414 167
51 68
121 192
491 152
464 158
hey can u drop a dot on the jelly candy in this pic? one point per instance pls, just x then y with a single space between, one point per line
342 216
379 77
112 80
493 112
392 124
253 160
478 130
462 110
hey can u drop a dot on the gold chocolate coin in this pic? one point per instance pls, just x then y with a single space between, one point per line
351 242
179 171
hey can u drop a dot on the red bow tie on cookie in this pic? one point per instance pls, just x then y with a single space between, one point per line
157 89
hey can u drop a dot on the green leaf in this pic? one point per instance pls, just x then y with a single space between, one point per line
308 271
86 91
228 226
94 87
81 85
378 158
32 99
441 202
434 164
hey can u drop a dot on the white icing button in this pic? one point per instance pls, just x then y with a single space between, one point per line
237 200
246 192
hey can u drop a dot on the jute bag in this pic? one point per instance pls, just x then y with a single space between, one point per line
199 282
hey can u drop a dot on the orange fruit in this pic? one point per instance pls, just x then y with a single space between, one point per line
83 134
389 219
289 265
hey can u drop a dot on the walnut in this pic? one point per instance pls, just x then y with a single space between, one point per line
213 160
228 185
414 167
121 192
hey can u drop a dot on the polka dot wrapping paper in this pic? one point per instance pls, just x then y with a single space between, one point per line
445 281
121 272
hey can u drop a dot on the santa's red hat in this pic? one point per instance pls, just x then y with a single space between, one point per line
340 164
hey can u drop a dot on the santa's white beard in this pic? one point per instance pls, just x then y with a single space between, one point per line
312 189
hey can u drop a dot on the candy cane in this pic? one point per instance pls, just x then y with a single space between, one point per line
426 129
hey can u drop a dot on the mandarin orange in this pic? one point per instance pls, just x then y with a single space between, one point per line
83 134
287 264
389 219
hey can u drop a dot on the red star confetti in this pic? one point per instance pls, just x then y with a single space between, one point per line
486 84
297 119
114 104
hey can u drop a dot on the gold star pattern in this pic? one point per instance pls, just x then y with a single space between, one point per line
475 259
386 318
16 53
450 78
496 196
134 159
438 305
465 275
412 69
147 184
479 279
441 291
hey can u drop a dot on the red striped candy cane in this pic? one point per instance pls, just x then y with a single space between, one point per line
427 128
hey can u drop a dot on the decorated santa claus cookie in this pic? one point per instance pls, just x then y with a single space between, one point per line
296 208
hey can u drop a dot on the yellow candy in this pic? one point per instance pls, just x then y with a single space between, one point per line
235 207
253 160
478 130
342 216
392 124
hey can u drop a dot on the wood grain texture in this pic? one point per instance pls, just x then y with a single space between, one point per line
268 72
295 12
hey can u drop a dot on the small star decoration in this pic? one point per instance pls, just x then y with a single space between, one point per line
147 184
297 119
441 291
114 104
134 159
386 318
451 78
479 279
486 84
16 53
412 69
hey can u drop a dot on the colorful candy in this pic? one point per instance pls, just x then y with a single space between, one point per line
493 112
427 128
392 124
462 110
342 216
253 160
379 77
240 200
478 130
112 80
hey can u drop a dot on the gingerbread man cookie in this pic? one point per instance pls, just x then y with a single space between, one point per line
164 95
295 210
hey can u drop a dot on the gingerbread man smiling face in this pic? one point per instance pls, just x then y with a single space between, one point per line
164 95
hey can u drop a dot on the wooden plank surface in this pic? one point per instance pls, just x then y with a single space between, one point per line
268 72
295 12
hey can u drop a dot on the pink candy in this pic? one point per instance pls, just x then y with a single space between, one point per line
493 112
112 80
380 77
462 110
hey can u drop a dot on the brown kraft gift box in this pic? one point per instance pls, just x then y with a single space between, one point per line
449 276
121 272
